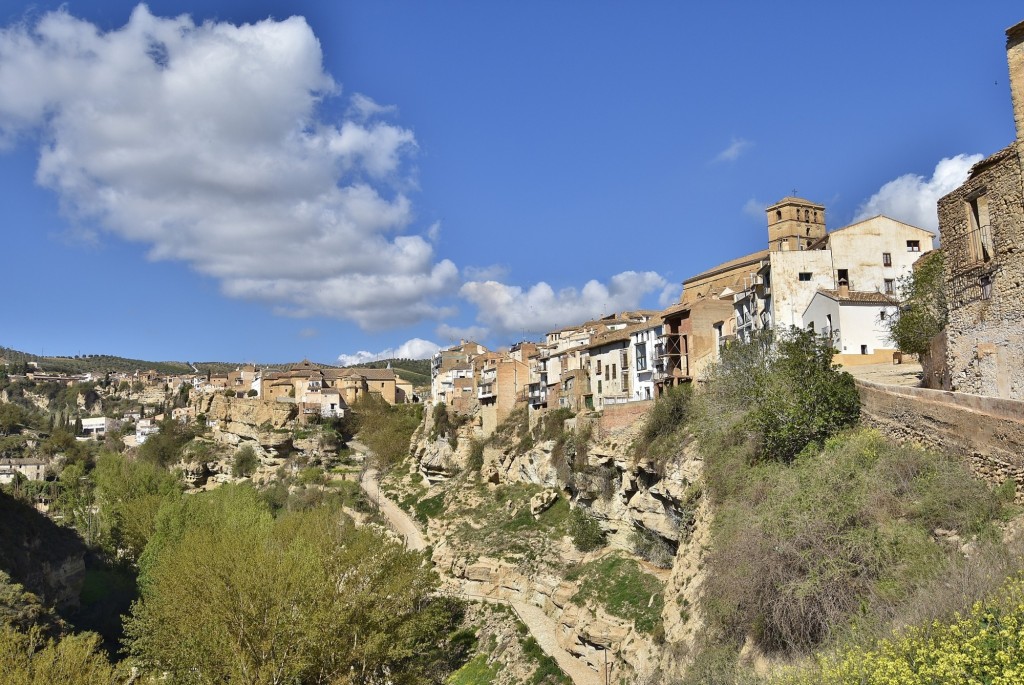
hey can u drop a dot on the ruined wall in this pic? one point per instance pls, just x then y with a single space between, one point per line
986 430
985 344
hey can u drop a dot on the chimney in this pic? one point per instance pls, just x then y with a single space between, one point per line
844 290
1015 60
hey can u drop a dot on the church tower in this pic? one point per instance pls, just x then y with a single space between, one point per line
794 223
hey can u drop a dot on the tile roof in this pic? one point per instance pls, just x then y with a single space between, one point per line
859 296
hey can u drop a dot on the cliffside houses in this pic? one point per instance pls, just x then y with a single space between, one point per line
840 283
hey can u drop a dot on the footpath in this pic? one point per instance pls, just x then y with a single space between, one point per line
541 626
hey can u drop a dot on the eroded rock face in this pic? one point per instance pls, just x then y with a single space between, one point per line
543 500
238 419
437 460
660 500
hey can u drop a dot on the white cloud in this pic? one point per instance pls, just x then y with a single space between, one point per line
453 333
416 348
736 148
308 333
912 198
494 272
755 208
511 310
206 143
670 295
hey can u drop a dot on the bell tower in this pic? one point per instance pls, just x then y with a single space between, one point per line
794 223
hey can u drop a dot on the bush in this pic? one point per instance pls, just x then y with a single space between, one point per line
585 531
652 547
245 462
476 456
985 646
665 426
791 393
800 549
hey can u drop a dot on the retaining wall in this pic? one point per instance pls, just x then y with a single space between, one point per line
988 431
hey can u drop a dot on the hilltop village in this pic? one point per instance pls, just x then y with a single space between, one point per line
700 494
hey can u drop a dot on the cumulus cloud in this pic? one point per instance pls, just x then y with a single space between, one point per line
912 198
416 348
308 333
209 144
453 333
512 310
736 148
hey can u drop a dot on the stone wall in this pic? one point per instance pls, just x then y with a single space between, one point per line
615 416
985 343
987 430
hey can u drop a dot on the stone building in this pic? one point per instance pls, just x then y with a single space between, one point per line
981 224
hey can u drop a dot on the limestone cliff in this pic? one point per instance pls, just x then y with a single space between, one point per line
660 503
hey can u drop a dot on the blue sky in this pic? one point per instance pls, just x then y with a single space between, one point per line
267 181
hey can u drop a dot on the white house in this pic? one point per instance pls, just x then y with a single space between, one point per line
856 323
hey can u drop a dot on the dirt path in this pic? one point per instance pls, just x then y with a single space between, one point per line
907 373
542 627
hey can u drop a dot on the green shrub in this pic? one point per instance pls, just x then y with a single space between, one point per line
800 549
245 462
476 456
585 531
619 585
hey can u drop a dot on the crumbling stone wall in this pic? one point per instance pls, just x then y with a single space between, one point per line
987 430
985 345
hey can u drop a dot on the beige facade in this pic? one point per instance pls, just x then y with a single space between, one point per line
501 381
982 228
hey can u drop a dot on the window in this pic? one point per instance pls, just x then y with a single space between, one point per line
805 275
778 215
986 287
979 240
886 259
598 386
598 367
913 246
844 277
890 286
614 376
863 349
641 357
607 372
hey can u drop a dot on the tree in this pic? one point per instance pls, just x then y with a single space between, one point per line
792 392
245 462
306 598
923 312
129 495
30 658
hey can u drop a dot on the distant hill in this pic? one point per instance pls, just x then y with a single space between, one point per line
416 371
102 363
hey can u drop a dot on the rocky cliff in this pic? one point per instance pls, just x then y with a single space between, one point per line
633 500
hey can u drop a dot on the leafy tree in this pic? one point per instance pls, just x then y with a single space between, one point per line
923 311
165 446
585 531
245 462
791 391
252 392
12 418
306 598
129 495
30 658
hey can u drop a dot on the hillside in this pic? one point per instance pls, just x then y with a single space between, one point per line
416 371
